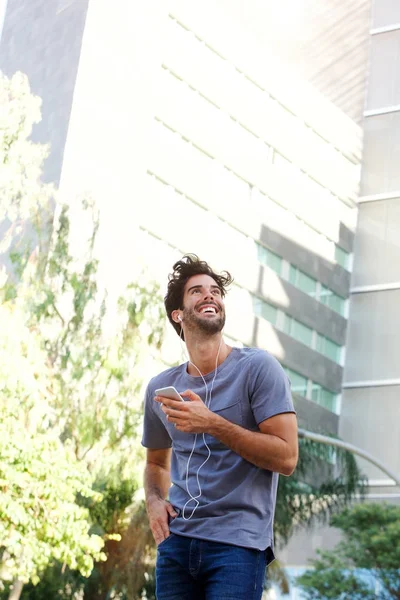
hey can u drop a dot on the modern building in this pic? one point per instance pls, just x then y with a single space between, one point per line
236 133
370 415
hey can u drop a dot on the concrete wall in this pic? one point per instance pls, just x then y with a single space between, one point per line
43 40
326 42
371 398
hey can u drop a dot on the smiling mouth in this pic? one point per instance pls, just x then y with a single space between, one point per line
212 310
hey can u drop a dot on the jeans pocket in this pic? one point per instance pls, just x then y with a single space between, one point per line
165 541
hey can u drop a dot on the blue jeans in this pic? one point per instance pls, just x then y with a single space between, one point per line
192 569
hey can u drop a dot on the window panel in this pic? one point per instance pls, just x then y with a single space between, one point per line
371 420
342 257
373 346
381 154
287 324
306 284
328 348
298 331
302 333
319 394
384 70
297 381
269 258
334 301
332 350
324 397
301 280
378 243
264 310
385 12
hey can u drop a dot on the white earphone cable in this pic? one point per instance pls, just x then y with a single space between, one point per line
207 402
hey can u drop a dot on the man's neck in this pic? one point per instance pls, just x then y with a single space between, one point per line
203 353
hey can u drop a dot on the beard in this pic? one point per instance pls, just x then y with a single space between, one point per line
209 326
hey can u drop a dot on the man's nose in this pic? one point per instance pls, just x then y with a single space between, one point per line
208 295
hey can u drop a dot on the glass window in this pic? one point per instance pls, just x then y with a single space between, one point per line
328 348
323 397
304 282
381 154
342 257
287 325
272 260
307 284
297 330
302 333
372 344
337 303
384 64
264 310
334 301
378 242
297 381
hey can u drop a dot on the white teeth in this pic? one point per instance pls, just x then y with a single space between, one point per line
208 309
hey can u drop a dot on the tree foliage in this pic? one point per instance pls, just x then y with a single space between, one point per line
324 482
73 462
39 476
368 554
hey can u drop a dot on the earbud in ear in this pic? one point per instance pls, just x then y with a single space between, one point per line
180 318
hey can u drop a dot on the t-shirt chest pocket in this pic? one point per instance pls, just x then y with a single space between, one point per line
231 411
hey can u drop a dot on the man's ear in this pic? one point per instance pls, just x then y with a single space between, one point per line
176 316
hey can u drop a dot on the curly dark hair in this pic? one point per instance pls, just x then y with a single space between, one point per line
183 269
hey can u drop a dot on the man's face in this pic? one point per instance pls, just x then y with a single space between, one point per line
203 305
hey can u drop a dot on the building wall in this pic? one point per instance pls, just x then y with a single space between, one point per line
325 42
43 40
371 398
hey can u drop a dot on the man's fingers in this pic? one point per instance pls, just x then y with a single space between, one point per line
159 522
171 510
170 412
160 531
175 404
191 395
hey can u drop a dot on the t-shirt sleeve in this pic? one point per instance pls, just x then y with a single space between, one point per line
155 435
270 393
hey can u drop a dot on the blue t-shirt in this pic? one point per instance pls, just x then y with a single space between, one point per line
237 501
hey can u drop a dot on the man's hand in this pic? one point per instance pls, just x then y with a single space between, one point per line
158 511
192 416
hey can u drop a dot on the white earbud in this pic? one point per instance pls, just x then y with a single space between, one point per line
180 318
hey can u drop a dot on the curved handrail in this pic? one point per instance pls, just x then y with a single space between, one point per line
325 439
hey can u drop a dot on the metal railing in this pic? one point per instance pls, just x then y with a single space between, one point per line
329 441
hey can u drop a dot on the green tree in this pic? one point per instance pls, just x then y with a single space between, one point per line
39 476
324 482
93 412
368 553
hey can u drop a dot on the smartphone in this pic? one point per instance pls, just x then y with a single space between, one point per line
169 392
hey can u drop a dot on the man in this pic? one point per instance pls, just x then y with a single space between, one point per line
222 448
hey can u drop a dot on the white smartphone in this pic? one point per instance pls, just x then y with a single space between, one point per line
169 392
